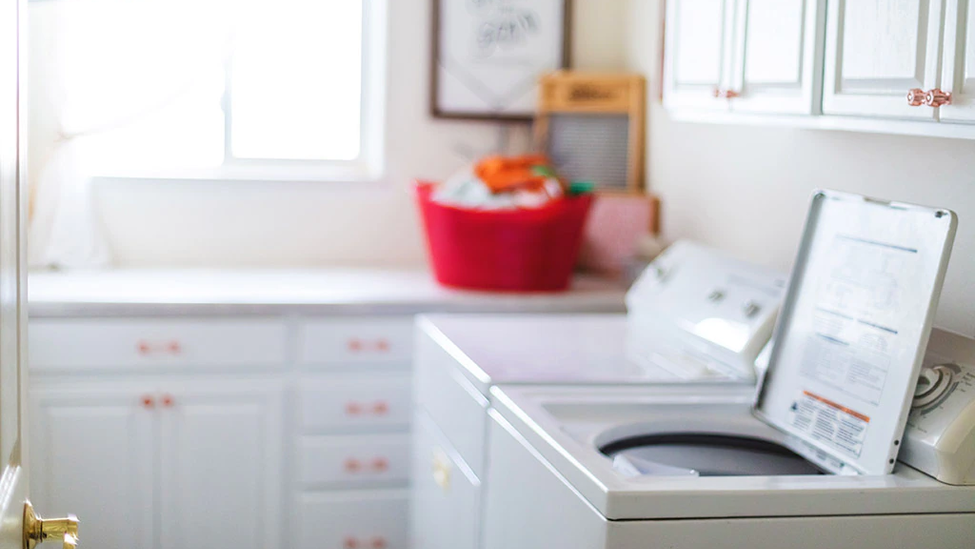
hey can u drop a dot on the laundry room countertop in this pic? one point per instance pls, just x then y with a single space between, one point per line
144 292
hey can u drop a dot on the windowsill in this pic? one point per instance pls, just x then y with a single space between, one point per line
298 173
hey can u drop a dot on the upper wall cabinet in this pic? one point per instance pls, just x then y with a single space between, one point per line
775 56
887 66
958 71
878 53
697 66
743 55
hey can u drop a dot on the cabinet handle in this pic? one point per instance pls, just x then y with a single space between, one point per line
916 97
148 402
354 345
350 543
382 345
935 98
721 93
379 542
167 400
146 348
380 408
441 470
380 464
352 465
353 409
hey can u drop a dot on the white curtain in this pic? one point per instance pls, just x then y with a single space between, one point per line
121 86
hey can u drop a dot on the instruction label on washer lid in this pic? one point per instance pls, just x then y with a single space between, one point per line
824 420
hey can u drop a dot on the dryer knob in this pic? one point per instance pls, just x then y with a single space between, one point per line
931 385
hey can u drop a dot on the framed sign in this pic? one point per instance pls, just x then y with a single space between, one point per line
489 54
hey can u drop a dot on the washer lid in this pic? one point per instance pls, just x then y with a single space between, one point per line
853 328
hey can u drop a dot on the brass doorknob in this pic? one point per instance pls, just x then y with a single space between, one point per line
38 530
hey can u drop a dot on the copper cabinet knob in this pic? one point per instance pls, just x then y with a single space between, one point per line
721 93
935 98
916 97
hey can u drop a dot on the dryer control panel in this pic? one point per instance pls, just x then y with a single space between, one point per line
700 314
940 435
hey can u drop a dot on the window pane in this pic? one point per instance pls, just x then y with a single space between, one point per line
154 103
296 79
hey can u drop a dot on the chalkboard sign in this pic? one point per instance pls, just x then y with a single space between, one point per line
489 54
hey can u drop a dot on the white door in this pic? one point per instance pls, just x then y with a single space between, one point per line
775 56
958 70
92 453
16 523
877 51
220 457
697 64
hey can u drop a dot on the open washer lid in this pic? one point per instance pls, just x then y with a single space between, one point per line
852 331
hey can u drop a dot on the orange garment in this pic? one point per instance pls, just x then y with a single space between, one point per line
505 174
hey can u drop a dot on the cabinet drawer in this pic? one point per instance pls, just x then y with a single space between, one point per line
100 344
353 520
349 402
355 340
354 460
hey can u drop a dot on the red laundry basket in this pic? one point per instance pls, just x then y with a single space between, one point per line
524 250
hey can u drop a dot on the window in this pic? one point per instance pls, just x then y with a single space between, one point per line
266 89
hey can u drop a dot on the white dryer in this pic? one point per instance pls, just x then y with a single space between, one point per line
709 315
809 459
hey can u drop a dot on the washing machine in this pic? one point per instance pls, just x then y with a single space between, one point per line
707 315
809 458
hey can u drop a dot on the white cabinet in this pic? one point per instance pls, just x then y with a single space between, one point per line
131 344
92 453
698 62
143 460
775 56
356 402
882 66
445 492
220 461
354 461
363 341
876 52
362 519
743 55
958 70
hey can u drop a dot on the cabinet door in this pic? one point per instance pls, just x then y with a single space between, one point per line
445 494
775 68
698 53
92 451
220 465
958 72
878 50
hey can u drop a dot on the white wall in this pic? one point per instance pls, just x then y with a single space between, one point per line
176 223
746 189
741 188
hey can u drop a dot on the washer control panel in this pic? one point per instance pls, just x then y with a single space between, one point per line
940 435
